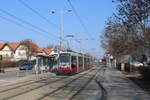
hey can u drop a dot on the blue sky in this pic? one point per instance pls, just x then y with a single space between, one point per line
93 13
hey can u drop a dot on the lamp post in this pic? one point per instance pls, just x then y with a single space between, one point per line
61 12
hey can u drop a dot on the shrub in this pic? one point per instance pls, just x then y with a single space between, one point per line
8 64
145 71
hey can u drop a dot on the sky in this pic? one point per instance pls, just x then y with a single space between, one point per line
18 22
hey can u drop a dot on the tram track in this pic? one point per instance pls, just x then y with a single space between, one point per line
21 84
29 88
32 88
103 90
15 83
82 88
66 85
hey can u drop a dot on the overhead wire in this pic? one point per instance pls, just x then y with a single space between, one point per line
21 25
78 17
37 13
25 22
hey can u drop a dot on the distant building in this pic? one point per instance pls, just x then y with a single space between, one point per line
1 46
7 50
19 51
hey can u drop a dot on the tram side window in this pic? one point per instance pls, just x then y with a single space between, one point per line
85 61
88 61
80 61
73 61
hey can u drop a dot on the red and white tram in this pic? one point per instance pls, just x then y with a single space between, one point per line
72 62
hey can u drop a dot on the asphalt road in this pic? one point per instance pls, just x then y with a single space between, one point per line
98 83
15 73
81 86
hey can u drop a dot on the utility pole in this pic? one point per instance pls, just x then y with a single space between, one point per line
61 28
61 38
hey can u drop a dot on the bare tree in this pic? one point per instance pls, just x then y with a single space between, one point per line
128 31
136 13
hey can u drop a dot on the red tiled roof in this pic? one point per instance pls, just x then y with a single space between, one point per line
13 46
1 45
37 49
32 46
47 50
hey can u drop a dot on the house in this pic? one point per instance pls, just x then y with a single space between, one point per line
27 51
1 45
19 51
7 50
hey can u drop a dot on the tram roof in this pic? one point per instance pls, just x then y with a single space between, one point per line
72 53
68 52
44 55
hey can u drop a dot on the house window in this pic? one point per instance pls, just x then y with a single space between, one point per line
19 53
0 57
12 55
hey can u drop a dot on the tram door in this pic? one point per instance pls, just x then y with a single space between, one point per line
74 64
80 61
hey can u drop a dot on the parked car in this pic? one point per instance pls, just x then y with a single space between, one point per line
136 64
26 65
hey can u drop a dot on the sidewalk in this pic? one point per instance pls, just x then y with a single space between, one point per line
119 87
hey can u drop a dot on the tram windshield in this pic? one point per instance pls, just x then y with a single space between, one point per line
64 60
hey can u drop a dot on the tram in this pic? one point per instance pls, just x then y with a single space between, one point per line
73 62
64 63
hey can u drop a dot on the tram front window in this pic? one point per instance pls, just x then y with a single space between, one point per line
64 60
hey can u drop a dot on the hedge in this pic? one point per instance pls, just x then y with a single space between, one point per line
8 64
145 71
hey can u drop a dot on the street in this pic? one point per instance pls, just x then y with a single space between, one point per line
97 83
52 87
13 74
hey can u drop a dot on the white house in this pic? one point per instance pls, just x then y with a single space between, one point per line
27 51
19 51
7 50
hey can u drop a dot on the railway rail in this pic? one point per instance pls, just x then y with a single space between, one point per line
30 87
104 93
62 88
26 83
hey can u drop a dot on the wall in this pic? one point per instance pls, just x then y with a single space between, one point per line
7 53
21 53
